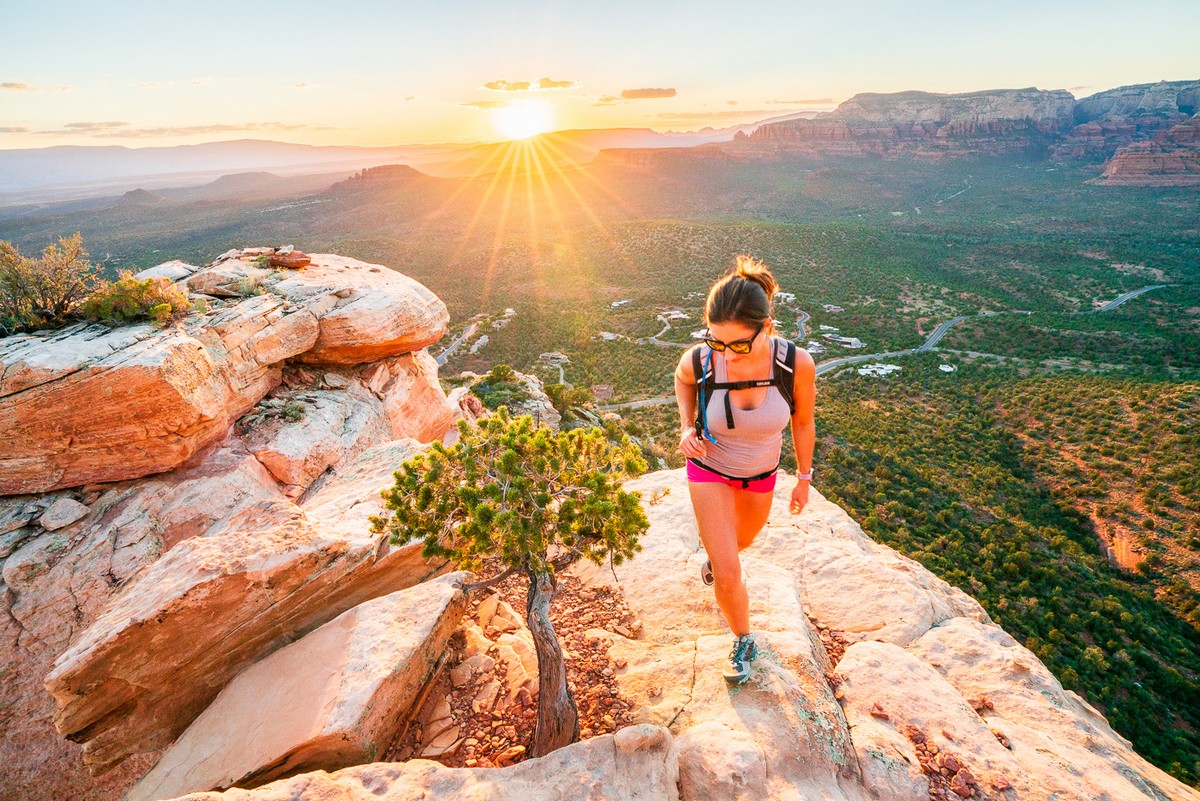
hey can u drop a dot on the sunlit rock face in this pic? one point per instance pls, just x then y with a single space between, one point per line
90 404
1171 159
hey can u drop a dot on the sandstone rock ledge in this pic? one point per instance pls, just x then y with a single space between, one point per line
92 404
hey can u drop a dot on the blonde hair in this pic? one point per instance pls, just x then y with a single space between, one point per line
743 295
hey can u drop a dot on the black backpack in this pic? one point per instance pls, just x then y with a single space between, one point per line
783 376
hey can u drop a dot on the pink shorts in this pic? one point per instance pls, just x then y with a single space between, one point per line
698 474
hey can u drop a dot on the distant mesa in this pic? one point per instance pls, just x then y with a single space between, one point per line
1157 118
140 197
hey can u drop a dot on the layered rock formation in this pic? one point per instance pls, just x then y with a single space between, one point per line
139 400
933 126
875 680
1171 159
137 597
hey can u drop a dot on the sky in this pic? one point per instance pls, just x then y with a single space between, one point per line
368 72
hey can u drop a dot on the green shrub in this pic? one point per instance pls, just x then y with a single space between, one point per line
130 300
500 387
45 292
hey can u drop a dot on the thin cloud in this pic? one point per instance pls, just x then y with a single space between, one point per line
540 85
1077 88
14 129
90 127
731 102
607 100
819 101
201 81
507 86
303 85
411 97
121 130
485 104
642 94
154 84
14 86
710 115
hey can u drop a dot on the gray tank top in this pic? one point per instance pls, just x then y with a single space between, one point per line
753 445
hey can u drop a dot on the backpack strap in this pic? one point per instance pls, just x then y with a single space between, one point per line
784 376
705 383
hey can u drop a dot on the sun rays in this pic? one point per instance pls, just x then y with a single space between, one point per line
533 191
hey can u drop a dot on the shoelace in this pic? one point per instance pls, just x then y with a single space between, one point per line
741 648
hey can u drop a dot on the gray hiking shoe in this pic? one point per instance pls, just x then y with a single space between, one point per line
706 574
744 652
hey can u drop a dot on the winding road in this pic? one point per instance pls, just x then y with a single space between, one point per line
449 351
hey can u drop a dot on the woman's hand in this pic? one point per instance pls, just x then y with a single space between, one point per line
691 445
799 497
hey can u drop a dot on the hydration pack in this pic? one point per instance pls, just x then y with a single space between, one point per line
783 376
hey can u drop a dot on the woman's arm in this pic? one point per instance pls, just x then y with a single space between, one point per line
804 427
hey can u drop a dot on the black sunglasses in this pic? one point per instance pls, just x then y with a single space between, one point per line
741 346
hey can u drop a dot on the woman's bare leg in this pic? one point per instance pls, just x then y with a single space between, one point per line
750 510
715 518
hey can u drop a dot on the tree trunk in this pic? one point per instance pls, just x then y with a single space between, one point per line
557 715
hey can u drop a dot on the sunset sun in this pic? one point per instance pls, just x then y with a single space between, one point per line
523 119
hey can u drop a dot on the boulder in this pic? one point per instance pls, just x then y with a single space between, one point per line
171 270
61 513
637 762
57 584
90 404
137 400
336 697
336 426
268 574
385 314
412 396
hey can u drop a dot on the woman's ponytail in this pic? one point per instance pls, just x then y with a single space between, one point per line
743 295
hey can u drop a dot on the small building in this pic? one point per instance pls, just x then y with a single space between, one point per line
602 392
618 303
846 342
946 368
812 346
554 357
786 297
479 343
609 336
829 307
879 370
701 334
830 328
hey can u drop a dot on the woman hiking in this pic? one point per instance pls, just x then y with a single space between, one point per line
737 390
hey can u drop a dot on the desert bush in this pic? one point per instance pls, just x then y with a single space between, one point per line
130 300
43 292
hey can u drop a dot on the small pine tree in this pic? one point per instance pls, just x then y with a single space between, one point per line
536 499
